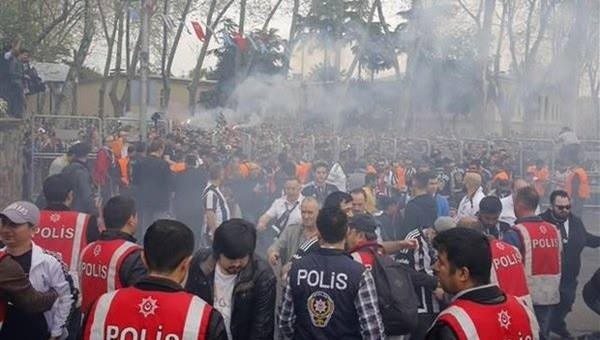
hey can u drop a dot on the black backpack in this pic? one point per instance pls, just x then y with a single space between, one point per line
396 295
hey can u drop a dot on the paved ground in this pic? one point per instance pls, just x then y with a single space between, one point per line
582 320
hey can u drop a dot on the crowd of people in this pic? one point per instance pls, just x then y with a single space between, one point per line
184 237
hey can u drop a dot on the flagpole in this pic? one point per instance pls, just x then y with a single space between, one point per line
144 55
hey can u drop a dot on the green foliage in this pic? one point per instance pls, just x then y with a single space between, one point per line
33 21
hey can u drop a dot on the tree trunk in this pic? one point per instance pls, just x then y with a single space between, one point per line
292 37
163 58
271 14
80 55
193 87
110 41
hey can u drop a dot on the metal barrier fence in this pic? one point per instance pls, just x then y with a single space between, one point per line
51 137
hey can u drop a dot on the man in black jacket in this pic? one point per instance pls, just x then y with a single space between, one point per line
574 237
421 210
81 179
154 183
239 284
189 186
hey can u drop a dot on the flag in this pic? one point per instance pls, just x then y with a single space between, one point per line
240 42
198 30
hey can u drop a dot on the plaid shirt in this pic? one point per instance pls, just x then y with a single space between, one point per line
365 302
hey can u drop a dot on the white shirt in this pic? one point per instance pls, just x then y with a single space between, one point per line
470 207
214 200
508 210
281 205
224 284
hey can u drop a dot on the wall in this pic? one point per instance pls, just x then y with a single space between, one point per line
11 160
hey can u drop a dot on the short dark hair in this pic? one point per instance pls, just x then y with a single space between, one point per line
80 150
490 205
214 171
357 191
235 239
332 224
336 198
558 193
528 196
57 188
156 145
166 244
117 212
478 258
320 164
421 179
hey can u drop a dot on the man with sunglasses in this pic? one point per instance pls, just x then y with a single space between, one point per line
574 238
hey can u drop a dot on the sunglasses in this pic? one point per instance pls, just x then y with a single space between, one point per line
563 207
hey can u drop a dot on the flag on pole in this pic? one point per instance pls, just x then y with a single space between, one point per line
198 30
240 42
168 21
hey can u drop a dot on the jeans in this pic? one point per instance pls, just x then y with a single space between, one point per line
559 312
425 322
543 314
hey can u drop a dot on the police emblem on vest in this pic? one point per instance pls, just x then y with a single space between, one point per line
320 307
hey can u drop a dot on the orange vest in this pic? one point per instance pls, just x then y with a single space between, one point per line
244 170
401 178
303 172
132 313
64 232
124 167
584 184
178 167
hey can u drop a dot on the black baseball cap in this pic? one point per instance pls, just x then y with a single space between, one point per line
363 222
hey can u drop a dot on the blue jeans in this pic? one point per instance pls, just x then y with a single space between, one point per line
543 315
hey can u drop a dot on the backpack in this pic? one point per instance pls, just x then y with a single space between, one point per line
396 295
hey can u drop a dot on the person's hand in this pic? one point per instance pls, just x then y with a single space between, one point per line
261 227
273 258
439 294
409 244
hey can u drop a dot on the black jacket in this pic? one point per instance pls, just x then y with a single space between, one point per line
578 238
154 182
132 269
188 186
253 310
485 296
420 212
81 179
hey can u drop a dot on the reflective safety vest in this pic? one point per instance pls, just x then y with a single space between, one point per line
132 313
508 271
63 232
3 303
584 183
542 247
100 267
508 320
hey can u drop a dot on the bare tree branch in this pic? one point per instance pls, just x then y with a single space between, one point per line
271 14
466 9
64 15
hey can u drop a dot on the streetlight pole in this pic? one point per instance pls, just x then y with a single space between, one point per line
144 55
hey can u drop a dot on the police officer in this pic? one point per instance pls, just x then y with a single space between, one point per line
479 310
328 294
541 250
508 270
62 230
114 261
157 307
